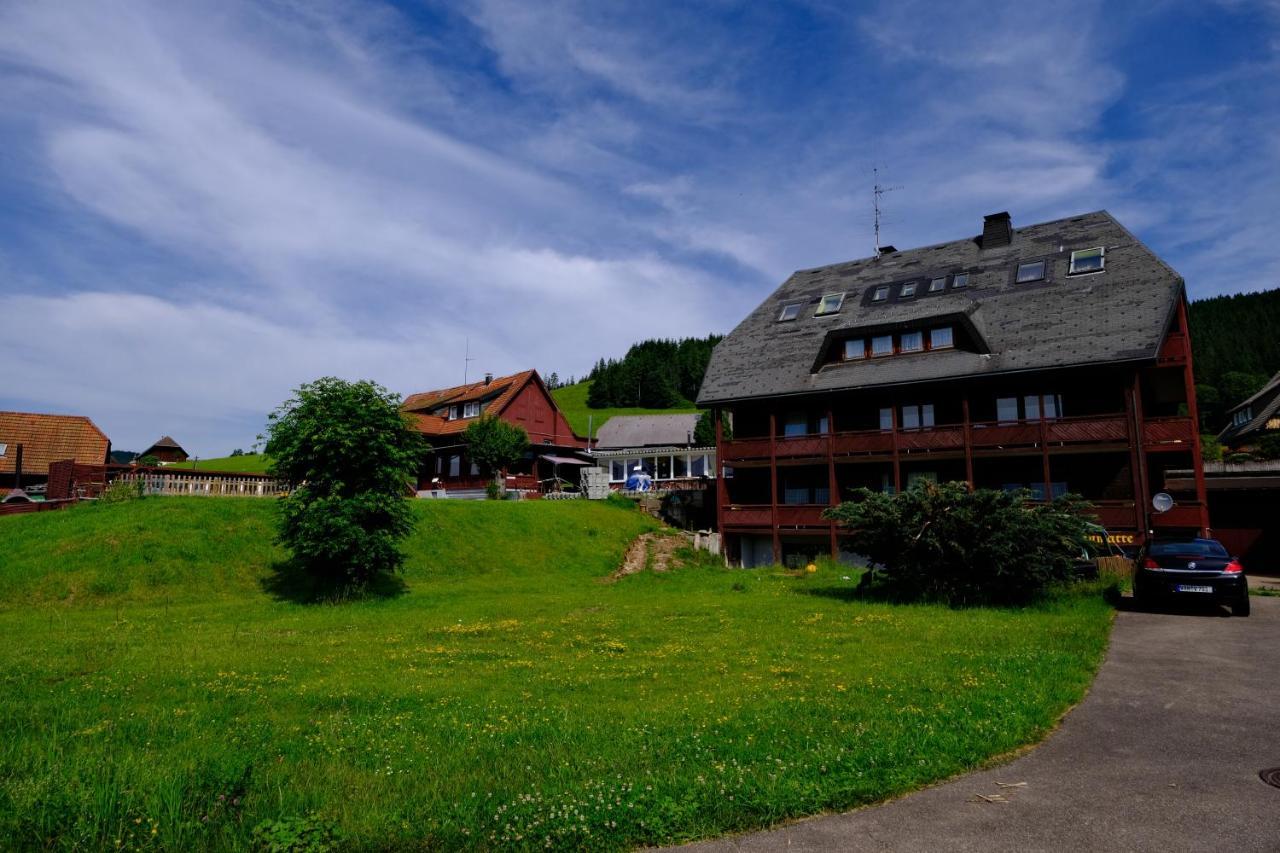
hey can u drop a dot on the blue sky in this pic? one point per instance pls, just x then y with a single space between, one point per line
202 207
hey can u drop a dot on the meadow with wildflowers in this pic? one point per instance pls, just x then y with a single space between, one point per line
162 689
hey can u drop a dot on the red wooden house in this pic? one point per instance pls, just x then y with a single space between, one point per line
521 399
45 439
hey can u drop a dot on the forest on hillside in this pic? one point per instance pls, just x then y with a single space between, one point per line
654 374
1235 342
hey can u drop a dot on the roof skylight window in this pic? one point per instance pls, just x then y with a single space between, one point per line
938 284
830 304
880 294
4 448
1030 271
789 312
960 280
1087 260
908 290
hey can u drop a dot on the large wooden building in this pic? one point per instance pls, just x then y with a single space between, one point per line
521 399
42 439
1052 358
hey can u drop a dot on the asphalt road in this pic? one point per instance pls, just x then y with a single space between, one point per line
1163 754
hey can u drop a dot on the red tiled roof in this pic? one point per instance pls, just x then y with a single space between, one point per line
163 441
500 391
50 438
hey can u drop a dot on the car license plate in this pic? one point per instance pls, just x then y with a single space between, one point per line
1182 587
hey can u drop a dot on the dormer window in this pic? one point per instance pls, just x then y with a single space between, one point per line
911 342
855 349
1087 260
1030 271
937 285
908 290
880 294
453 413
471 410
881 345
829 304
941 338
960 280
789 312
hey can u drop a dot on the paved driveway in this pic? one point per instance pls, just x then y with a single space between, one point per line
1163 754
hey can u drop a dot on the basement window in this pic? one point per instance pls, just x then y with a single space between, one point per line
938 284
829 304
1087 260
960 280
789 312
880 294
1030 271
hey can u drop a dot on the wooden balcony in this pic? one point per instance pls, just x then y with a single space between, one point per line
1173 351
1168 433
802 515
801 446
1116 515
746 515
1184 515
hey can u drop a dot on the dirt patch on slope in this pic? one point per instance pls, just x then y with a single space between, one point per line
653 551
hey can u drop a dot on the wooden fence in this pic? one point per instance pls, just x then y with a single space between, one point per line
72 480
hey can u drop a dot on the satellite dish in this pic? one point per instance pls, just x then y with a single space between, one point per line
1162 502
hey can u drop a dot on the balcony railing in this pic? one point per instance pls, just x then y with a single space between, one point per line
1168 433
983 435
1183 515
747 515
761 515
802 515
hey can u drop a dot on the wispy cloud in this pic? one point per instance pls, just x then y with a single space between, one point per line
215 204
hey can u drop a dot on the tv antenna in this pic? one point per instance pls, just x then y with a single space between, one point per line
466 362
878 190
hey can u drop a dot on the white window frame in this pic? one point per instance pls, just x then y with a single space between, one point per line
453 413
4 448
471 410
1102 260
794 311
824 310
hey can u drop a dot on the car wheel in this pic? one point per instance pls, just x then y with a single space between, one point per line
1241 606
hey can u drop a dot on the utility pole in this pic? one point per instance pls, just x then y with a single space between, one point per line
466 362
877 191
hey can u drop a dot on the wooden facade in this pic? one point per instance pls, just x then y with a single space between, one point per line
1108 433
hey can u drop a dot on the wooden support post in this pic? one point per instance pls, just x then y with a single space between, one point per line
968 442
897 466
1133 427
1044 453
833 488
1193 410
773 486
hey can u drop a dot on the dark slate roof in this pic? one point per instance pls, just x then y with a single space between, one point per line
622 431
1117 315
1266 405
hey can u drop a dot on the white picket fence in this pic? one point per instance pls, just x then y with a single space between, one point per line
204 485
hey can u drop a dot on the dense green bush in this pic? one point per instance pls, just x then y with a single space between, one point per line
1210 448
1269 446
947 543
296 835
349 454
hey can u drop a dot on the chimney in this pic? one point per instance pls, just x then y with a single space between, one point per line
488 377
997 230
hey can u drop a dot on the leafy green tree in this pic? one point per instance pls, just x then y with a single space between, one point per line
350 455
1269 446
1238 386
493 444
946 543
149 459
1210 448
1209 403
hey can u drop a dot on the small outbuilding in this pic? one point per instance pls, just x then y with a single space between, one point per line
166 450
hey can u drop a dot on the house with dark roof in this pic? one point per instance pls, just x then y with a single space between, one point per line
1254 418
661 446
166 451
1053 358
41 439
522 399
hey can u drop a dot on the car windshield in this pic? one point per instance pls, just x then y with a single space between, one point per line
1193 548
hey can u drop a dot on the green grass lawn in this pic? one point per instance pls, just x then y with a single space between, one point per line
249 463
572 400
160 689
